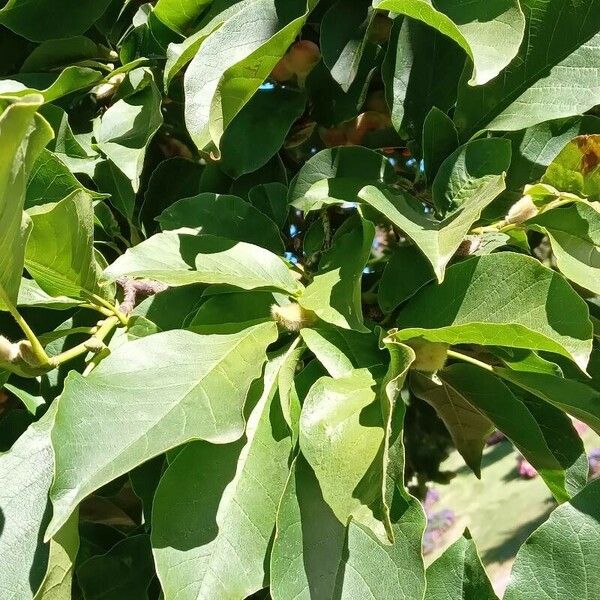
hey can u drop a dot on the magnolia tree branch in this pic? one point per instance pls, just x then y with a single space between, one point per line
133 288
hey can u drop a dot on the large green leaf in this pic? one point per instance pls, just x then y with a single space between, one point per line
234 61
503 299
472 26
178 55
26 472
468 172
437 240
468 427
315 556
560 560
239 486
554 74
181 258
22 138
574 233
259 130
420 72
543 435
343 37
341 435
576 398
335 292
440 139
341 350
65 264
125 571
126 128
148 396
458 574
179 15
40 20
225 216
336 175
64 546
50 86
406 271
51 181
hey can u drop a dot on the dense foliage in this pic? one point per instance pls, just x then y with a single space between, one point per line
264 263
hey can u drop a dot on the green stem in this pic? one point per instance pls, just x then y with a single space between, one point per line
36 345
103 330
100 309
46 338
98 300
470 359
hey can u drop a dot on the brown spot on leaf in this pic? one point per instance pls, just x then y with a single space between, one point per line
590 151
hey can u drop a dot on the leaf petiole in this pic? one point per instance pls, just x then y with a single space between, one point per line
103 330
470 359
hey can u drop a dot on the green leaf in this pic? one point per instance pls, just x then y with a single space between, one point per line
22 137
534 149
40 20
202 398
124 571
64 265
574 233
240 486
502 299
271 200
259 130
468 427
182 258
406 271
31 294
227 313
178 55
440 139
114 182
341 350
576 168
335 292
471 27
572 572
50 86
59 53
437 240
458 574
420 71
343 39
336 175
179 15
576 398
225 216
64 547
545 437
126 128
315 556
26 472
469 172
341 436
553 75
51 180
234 61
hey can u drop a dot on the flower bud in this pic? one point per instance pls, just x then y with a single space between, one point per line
429 356
522 210
292 317
9 352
